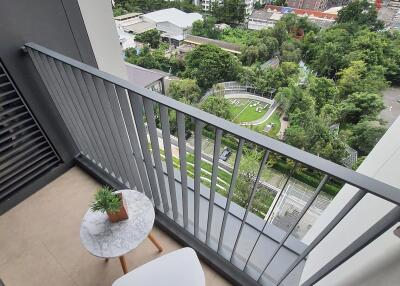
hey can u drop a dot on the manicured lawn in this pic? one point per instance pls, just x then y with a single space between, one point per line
275 120
246 113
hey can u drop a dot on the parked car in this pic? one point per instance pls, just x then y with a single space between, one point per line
226 153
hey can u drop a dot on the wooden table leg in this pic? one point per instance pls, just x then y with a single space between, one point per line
123 264
155 242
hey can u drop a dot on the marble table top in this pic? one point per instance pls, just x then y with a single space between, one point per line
108 240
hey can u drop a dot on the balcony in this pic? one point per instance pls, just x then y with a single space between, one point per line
129 137
42 247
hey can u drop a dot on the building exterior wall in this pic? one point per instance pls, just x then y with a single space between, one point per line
103 36
206 5
55 24
378 263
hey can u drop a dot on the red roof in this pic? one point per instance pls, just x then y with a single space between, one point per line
307 12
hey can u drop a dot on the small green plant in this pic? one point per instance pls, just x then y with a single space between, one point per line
106 201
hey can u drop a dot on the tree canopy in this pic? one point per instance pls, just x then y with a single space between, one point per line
208 65
229 11
360 12
186 90
217 105
151 37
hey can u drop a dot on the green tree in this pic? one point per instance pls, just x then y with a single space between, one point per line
360 12
206 28
323 90
208 64
361 105
358 77
365 136
151 37
185 89
229 11
260 51
290 51
219 106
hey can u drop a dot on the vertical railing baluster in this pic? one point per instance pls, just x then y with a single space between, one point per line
133 139
166 133
40 66
197 174
122 138
71 124
105 134
98 128
137 108
214 177
230 193
66 101
152 129
338 218
270 213
250 201
77 92
111 127
78 111
180 121
299 217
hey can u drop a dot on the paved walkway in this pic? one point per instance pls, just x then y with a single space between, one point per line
392 110
265 117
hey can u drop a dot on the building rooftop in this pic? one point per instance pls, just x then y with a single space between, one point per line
140 27
127 16
233 48
141 76
301 12
174 16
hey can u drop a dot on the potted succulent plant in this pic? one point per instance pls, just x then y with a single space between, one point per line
113 204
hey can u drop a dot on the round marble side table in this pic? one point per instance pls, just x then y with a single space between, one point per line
109 240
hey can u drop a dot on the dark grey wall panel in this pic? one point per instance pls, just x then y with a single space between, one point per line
57 24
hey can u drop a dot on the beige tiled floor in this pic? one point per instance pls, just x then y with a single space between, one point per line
40 245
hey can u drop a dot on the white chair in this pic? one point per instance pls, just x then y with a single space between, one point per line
178 268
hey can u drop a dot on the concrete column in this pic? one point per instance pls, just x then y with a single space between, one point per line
378 263
99 22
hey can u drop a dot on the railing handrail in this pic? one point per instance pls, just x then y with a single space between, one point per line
358 180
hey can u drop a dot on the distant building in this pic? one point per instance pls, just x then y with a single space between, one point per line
145 78
197 41
271 14
173 23
207 4
319 5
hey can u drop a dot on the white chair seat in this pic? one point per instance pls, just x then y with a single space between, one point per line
178 268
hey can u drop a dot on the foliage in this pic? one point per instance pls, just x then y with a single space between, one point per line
154 59
146 6
290 51
365 136
229 11
206 28
218 106
106 201
358 78
362 13
151 37
208 65
261 51
185 89
361 105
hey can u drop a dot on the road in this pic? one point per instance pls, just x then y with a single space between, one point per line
392 110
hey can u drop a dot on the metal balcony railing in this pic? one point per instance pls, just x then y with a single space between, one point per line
116 126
